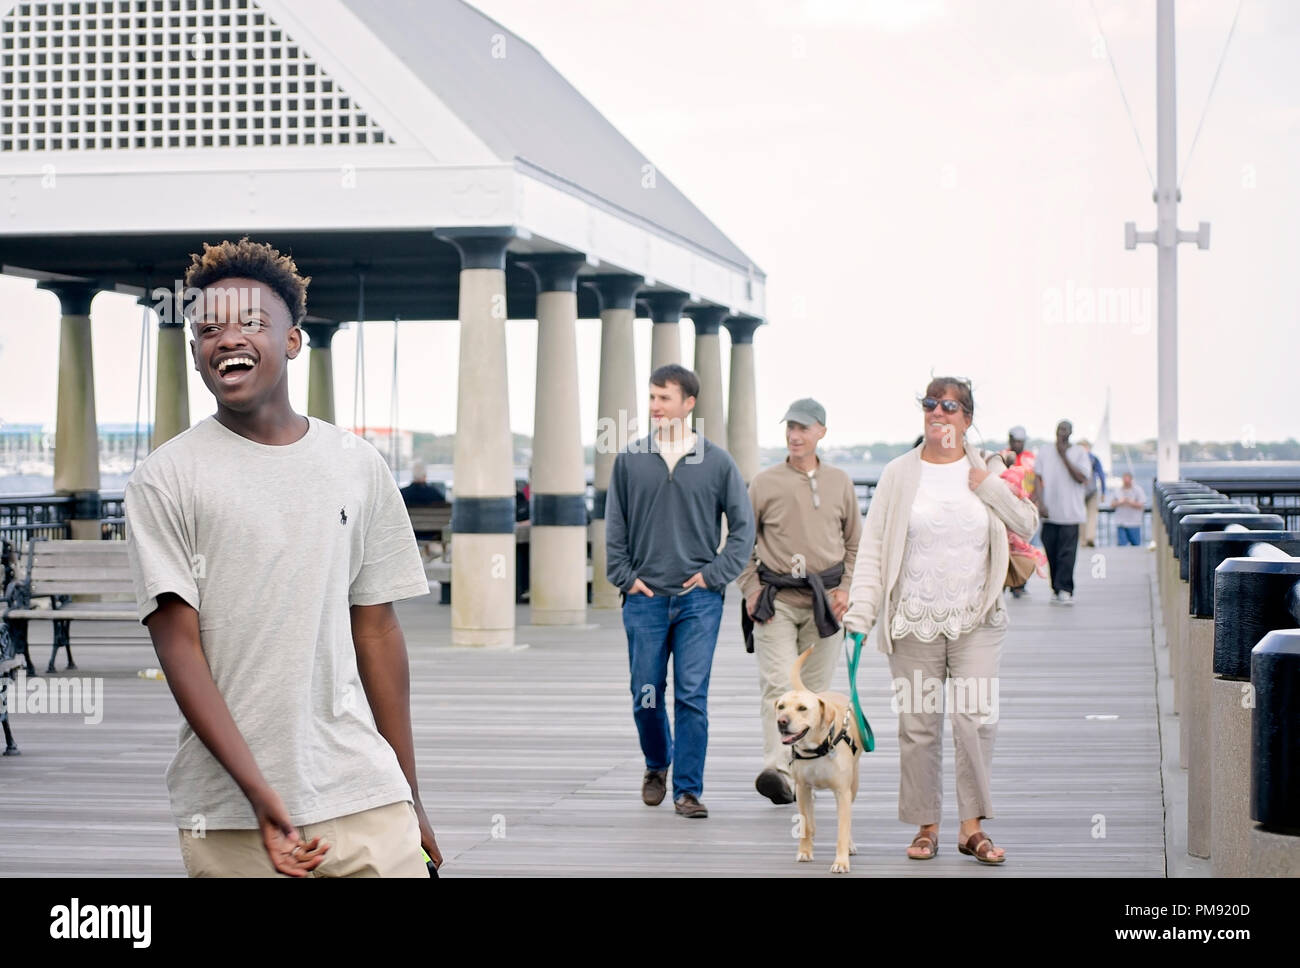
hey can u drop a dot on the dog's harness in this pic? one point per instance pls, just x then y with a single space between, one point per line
829 743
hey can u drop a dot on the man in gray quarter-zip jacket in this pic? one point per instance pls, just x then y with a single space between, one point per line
663 523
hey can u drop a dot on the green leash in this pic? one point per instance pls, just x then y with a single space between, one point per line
864 727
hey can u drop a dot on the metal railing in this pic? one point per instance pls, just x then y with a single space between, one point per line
47 516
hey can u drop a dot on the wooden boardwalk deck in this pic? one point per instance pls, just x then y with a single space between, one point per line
529 761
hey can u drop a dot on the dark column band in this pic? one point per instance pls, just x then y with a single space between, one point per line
666 307
617 291
555 271
74 297
707 318
480 248
483 515
320 335
86 505
598 505
558 509
742 328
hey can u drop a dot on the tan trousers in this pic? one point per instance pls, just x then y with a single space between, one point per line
381 842
1088 533
780 640
921 671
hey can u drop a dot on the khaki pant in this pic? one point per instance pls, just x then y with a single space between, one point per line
381 842
780 640
1088 533
920 670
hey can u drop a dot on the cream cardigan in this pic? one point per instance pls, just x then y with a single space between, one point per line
880 552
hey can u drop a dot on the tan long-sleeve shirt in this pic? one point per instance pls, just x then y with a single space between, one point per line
793 534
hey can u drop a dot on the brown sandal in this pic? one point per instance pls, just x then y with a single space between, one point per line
923 841
979 846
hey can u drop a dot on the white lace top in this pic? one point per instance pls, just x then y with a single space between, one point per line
946 558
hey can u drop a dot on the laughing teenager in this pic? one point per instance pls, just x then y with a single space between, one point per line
267 549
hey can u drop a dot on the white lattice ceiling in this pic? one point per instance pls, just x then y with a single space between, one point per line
165 74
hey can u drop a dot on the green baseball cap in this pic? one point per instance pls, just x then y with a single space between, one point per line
807 412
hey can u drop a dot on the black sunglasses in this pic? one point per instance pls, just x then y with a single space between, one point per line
949 406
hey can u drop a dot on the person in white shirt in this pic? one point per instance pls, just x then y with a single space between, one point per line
928 577
1063 473
1129 502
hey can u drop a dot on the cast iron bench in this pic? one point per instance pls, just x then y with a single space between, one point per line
58 570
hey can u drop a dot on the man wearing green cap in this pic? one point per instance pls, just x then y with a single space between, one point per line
797 582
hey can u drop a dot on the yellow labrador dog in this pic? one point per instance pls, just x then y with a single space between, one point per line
825 744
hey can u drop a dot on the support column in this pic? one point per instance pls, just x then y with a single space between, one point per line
172 390
557 570
742 403
708 412
483 506
616 411
76 436
320 370
665 340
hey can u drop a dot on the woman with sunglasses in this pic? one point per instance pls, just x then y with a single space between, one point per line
929 575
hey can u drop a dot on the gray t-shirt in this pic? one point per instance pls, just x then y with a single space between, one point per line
272 545
1062 495
1127 517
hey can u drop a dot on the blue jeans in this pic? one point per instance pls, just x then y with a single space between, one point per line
1129 535
685 627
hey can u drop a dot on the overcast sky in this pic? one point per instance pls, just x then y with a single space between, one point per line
930 186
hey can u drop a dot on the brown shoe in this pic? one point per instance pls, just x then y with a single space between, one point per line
926 842
979 846
653 787
688 806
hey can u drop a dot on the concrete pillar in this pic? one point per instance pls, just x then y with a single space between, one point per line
1200 672
742 403
616 411
1230 822
172 391
708 413
1170 607
483 506
320 370
76 440
666 314
1273 854
1182 670
557 571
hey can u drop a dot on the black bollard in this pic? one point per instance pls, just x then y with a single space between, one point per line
1252 597
1184 509
1216 521
1190 504
1171 498
1167 495
1209 549
1275 732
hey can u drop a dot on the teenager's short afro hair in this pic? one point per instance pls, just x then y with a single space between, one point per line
251 260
